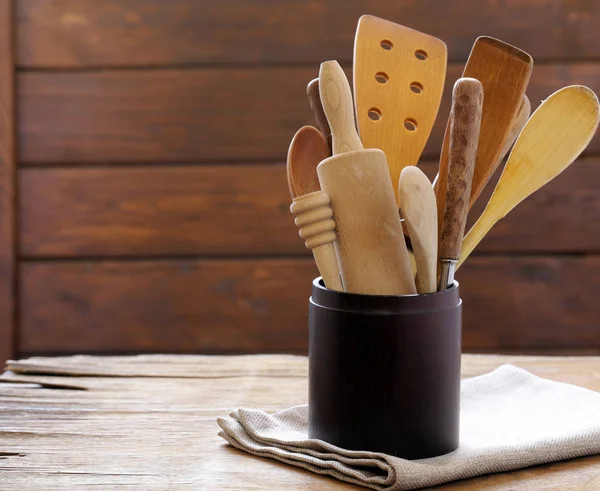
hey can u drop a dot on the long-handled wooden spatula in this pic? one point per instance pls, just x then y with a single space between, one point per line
399 76
504 73
557 132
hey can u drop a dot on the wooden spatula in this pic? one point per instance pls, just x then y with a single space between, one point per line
557 132
311 205
417 201
504 73
399 76
372 253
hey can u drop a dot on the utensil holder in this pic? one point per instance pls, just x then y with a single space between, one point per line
384 371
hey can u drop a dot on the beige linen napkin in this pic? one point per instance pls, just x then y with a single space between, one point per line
509 419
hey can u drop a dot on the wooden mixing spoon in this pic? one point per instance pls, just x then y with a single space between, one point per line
310 206
555 135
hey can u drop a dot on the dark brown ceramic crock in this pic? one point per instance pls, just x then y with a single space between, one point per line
384 371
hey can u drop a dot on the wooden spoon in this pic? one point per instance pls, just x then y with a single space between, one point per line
504 73
307 149
314 215
399 76
555 135
417 201
314 99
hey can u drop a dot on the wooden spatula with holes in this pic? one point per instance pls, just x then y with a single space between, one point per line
557 132
399 76
311 205
504 73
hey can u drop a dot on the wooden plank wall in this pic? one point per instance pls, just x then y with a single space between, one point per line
7 182
153 207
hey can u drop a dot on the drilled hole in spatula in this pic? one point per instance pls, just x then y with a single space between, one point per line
386 44
416 87
382 77
421 54
410 124
374 114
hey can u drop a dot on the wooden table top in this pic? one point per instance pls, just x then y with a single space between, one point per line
149 422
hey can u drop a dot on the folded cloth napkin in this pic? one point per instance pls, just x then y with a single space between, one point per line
509 419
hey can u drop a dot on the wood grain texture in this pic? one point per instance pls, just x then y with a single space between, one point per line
314 219
241 209
371 248
199 115
7 182
95 33
314 100
504 72
555 135
262 305
307 149
467 104
418 207
122 411
399 76
338 105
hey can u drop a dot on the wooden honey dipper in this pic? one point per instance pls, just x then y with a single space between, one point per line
311 205
372 253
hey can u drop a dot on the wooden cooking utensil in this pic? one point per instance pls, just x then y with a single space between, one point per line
317 227
307 149
310 204
504 72
467 103
336 99
399 76
417 201
314 99
557 132
372 253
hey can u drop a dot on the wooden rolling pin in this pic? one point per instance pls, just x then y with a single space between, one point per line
372 253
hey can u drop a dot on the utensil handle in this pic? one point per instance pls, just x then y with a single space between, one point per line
467 102
314 99
317 227
336 98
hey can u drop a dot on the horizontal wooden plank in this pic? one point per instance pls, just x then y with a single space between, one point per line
522 303
89 33
196 115
244 209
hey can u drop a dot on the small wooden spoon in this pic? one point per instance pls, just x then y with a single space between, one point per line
307 149
504 73
555 135
417 201
314 216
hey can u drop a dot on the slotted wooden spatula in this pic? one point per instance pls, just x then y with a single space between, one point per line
555 135
399 76
504 73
